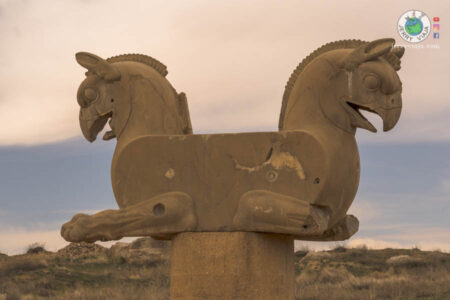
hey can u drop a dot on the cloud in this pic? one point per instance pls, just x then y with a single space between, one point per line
16 240
445 186
382 244
421 235
404 236
378 243
232 59
365 211
75 211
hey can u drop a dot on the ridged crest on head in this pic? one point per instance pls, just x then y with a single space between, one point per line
141 58
392 57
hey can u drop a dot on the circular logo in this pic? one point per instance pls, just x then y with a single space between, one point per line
414 26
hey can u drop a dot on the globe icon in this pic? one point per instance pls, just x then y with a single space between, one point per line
413 26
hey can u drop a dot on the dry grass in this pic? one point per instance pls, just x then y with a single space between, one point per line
92 273
21 264
97 276
361 274
117 293
35 248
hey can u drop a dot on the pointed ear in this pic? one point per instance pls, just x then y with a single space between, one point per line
398 51
98 65
368 52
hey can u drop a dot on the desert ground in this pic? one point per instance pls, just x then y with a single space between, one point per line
140 270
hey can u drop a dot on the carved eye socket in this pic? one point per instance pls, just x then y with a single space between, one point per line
371 82
90 94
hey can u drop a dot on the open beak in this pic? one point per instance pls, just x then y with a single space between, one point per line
92 123
390 117
389 111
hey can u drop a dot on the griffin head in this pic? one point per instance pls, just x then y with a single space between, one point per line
373 84
98 97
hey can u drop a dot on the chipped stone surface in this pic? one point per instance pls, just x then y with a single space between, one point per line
278 160
170 173
287 160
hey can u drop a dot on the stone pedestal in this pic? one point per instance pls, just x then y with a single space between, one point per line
232 266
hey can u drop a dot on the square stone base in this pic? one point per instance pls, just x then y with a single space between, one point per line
232 266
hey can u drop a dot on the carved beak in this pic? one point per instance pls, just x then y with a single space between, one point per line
92 123
389 111
390 117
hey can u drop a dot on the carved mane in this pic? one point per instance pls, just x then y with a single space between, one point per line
181 104
341 44
141 58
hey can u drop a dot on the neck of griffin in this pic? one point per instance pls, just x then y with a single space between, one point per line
148 116
317 103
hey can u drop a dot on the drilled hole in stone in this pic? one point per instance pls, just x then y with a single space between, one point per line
159 209
316 180
271 176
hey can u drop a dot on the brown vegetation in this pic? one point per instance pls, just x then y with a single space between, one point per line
373 274
140 270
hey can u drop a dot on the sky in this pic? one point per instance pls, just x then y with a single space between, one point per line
232 59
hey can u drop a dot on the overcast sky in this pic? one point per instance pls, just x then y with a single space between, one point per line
232 59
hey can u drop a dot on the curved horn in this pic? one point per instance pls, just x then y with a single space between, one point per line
97 65
367 52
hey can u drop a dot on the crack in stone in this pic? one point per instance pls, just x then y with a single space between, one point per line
277 160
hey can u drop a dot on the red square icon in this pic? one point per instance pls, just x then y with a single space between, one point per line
435 19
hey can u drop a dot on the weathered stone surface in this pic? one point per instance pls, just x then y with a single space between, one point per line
231 266
233 203
300 181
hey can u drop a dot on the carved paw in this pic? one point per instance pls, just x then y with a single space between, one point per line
77 229
85 228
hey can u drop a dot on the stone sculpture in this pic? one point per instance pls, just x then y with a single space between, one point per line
232 203
299 181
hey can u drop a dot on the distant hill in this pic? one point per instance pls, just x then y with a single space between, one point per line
141 268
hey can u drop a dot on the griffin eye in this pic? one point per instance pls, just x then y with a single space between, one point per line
372 82
90 94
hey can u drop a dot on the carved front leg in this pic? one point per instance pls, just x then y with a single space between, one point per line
162 215
265 211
